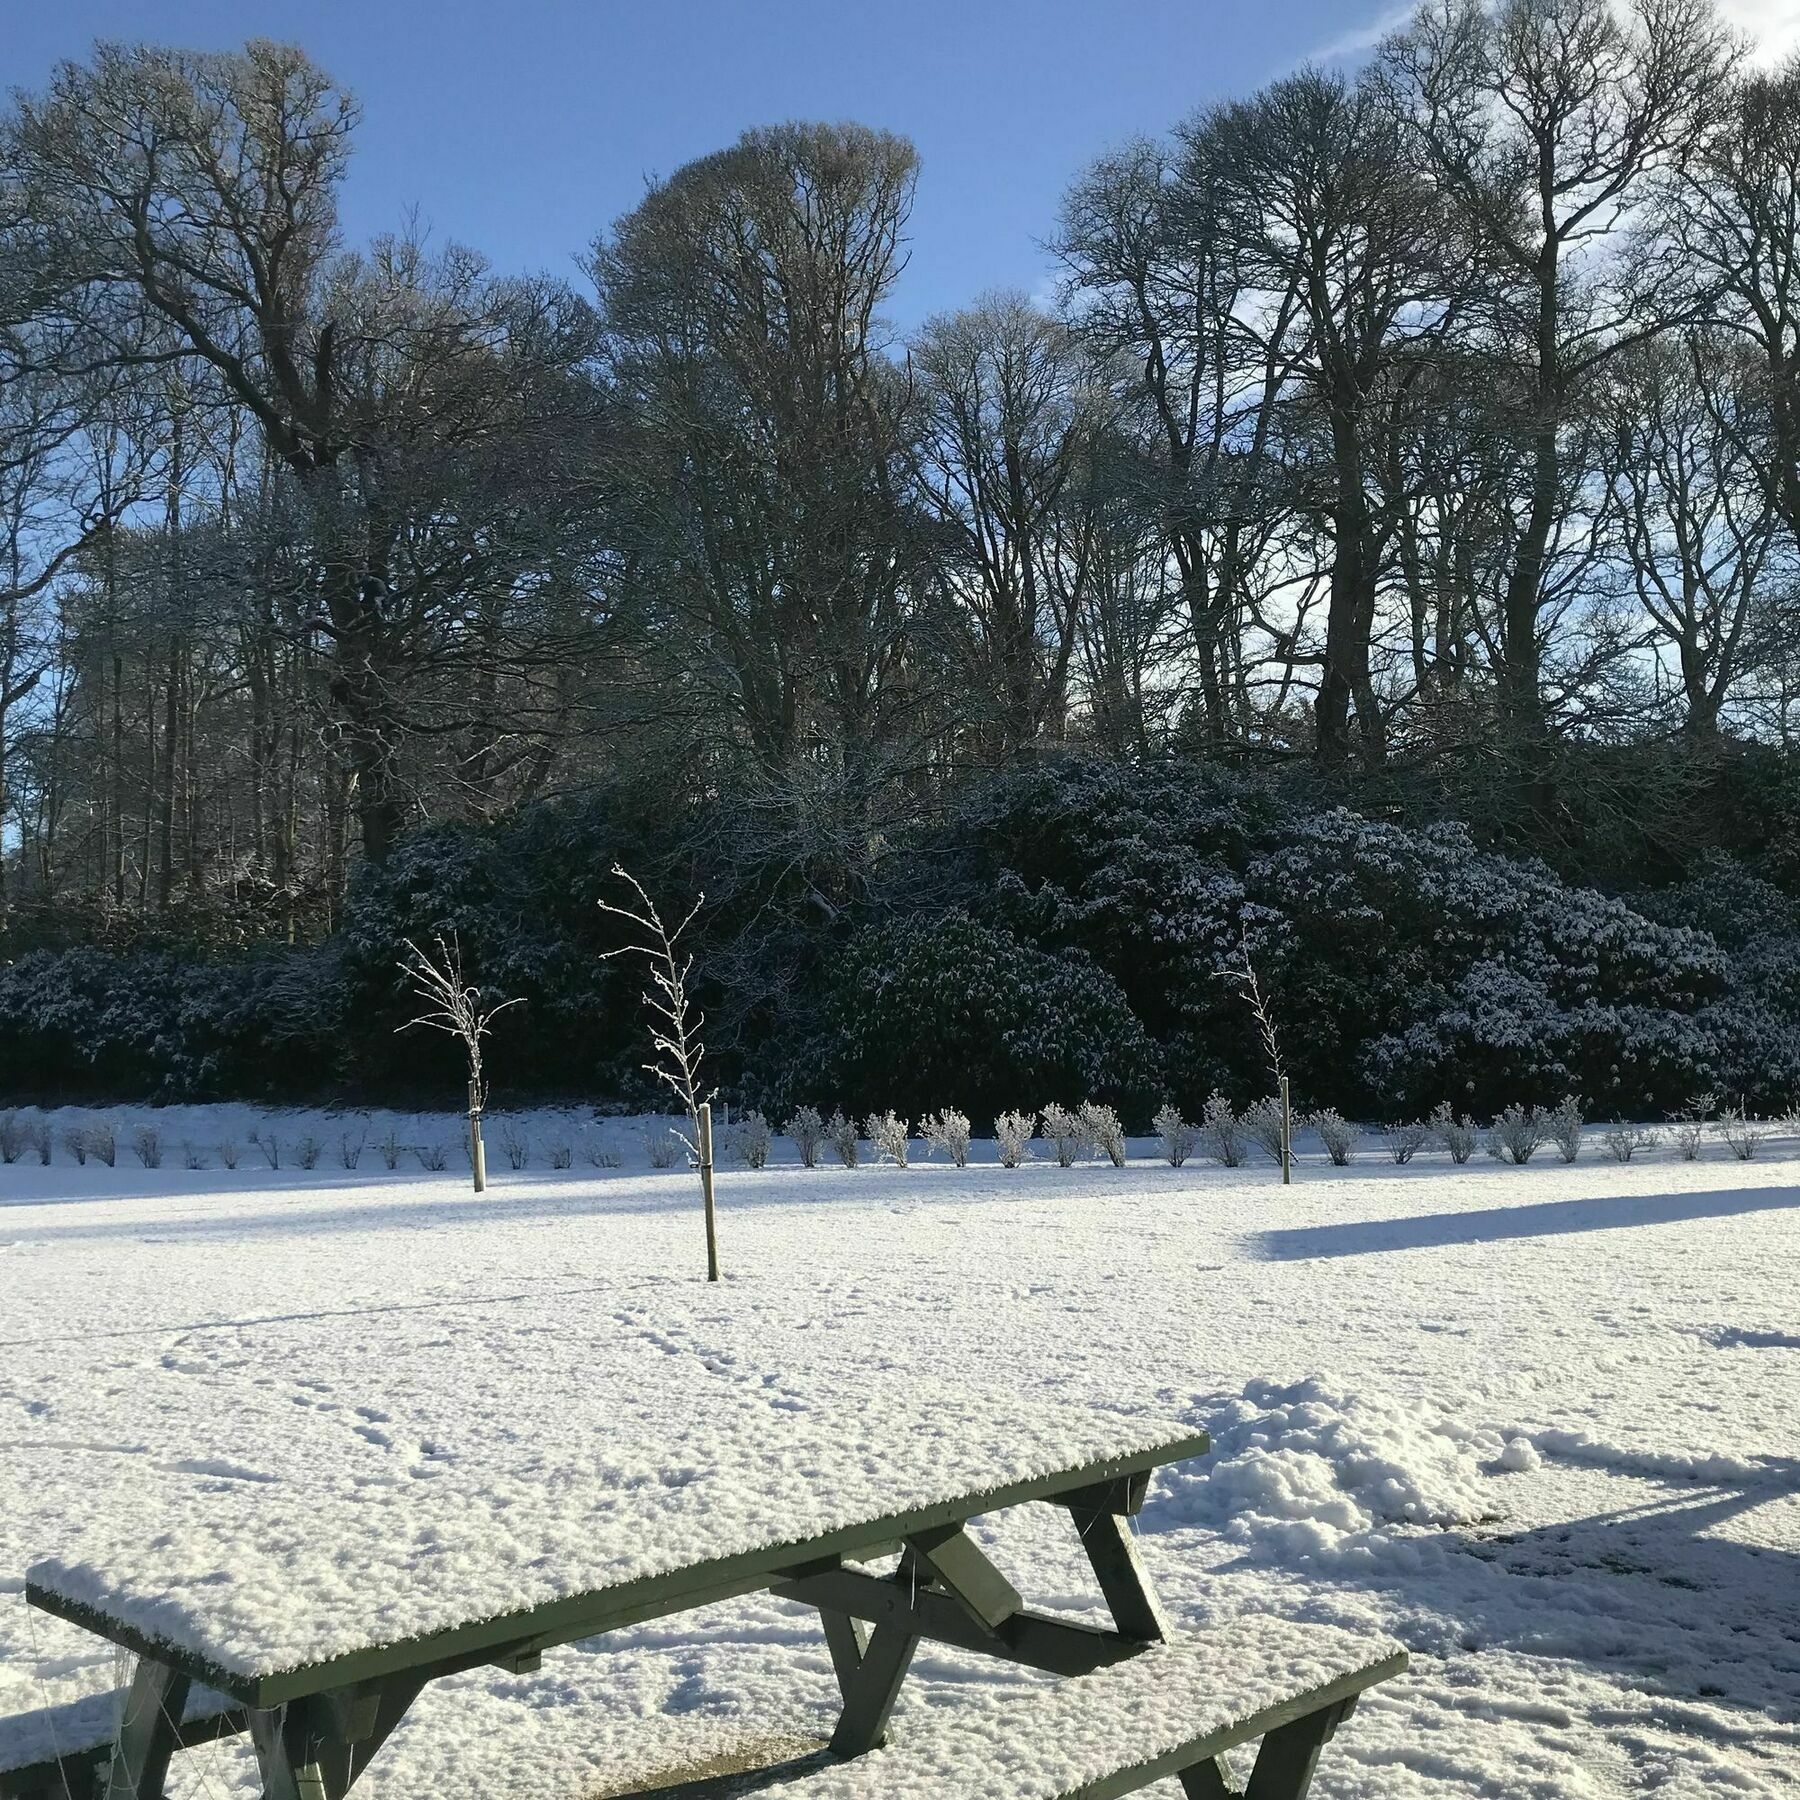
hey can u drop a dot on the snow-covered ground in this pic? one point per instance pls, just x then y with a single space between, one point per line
1542 1424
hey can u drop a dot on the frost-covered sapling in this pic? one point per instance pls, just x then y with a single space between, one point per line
1741 1132
1067 1134
843 1135
307 1151
515 1143
807 1130
887 1132
146 1144
1178 1136
1243 973
1563 1127
1689 1127
1458 1136
947 1131
1404 1142
450 1002
1265 1124
1516 1133
1105 1131
751 1139
1337 1134
1624 1141
1221 1136
1013 1132
678 1054
75 1141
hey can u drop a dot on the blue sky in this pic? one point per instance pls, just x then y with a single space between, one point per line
524 129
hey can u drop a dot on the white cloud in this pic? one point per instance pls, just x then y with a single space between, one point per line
1360 39
1773 24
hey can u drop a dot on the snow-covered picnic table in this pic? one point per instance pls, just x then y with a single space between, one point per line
321 1608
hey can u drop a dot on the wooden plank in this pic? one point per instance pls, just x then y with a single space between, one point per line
1289 1756
1039 1641
1112 1553
585 1615
149 1733
1209 1780
873 1690
846 1638
1126 1495
954 1559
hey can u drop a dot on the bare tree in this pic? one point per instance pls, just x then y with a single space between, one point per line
675 1027
451 1003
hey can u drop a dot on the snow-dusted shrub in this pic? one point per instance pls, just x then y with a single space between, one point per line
1689 1128
350 1148
1262 1124
664 1148
1105 1131
1624 1141
1336 1133
307 1152
807 1129
75 1141
1404 1142
887 1132
842 1133
103 1141
1563 1127
270 1146
751 1139
43 1141
1066 1133
515 1143
390 1148
228 1153
432 1156
1221 1135
947 1131
561 1153
1458 1136
1516 1133
146 1145
601 1151
926 1011
12 1137
1179 1138
1741 1132
1013 1132
192 1155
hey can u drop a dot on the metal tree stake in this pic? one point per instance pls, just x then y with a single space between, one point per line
452 1004
674 1032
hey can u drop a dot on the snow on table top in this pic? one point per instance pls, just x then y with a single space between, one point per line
1057 1742
579 1473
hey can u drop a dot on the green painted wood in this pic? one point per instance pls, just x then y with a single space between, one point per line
1209 1780
955 1560
1112 1553
1126 1495
77 1772
874 1688
149 1733
1039 1641
846 1638
588 1614
1289 1757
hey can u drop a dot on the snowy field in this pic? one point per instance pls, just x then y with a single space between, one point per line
1541 1424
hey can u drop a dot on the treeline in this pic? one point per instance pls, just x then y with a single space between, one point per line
1438 423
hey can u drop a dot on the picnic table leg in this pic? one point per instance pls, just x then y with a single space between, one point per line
873 1689
1210 1780
846 1638
1290 1754
1112 1553
150 1732
314 1749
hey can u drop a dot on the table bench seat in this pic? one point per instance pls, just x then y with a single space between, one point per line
60 1752
1175 1710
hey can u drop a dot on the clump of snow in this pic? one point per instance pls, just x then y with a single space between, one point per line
1308 1468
